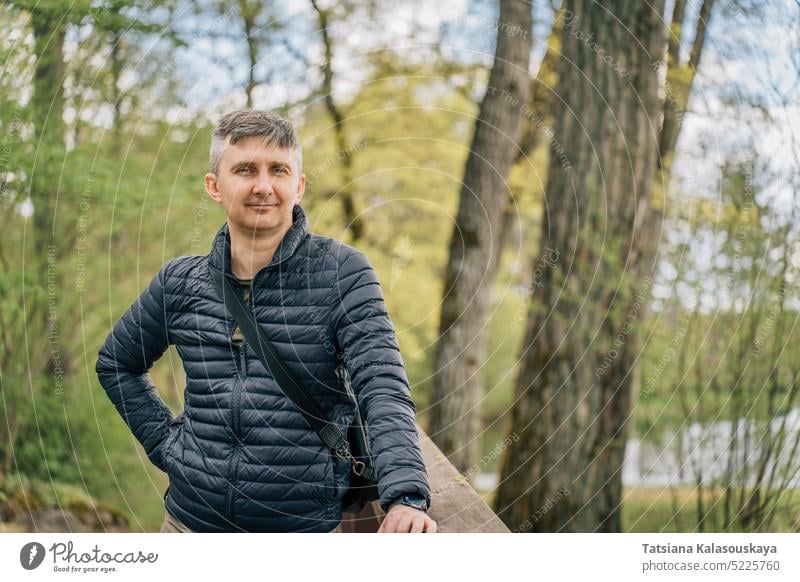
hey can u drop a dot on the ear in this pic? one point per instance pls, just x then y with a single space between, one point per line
301 187
212 188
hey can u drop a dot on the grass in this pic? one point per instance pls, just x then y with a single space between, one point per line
650 509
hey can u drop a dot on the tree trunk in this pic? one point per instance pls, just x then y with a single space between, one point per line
47 109
540 109
458 384
50 235
352 221
680 78
248 14
573 393
116 66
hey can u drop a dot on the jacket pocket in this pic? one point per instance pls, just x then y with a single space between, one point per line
331 487
174 429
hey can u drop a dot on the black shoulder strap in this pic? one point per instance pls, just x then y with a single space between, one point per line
329 432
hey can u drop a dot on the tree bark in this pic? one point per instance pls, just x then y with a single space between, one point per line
458 383
540 109
573 393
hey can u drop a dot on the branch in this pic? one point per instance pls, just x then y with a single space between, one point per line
700 35
680 79
675 30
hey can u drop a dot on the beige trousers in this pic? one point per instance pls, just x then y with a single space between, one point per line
172 525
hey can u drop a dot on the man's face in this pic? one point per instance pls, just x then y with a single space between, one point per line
257 184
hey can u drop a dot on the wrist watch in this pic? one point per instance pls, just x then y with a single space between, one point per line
413 500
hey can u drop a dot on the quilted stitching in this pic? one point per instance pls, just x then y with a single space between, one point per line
248 459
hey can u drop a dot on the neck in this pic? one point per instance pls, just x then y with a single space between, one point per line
253 250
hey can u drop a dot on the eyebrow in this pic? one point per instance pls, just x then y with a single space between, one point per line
272 164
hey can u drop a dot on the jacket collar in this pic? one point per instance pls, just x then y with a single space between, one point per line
220 255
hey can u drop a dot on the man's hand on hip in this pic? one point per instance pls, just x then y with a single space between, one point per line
404 519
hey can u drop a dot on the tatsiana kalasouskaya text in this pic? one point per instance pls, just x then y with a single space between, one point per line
711 548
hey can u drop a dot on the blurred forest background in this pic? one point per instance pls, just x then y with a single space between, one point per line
584 218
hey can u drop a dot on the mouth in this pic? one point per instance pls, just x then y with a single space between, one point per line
261 207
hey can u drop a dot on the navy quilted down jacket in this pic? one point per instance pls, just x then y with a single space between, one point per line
241 457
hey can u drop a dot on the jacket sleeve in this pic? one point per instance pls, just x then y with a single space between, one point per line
368 344
138 339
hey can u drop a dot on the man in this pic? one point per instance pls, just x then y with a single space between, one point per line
241 456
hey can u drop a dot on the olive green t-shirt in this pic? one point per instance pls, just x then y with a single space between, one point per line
238 336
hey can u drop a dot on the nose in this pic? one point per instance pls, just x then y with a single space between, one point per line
262 186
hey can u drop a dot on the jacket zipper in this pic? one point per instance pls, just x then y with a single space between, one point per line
236 428
232 475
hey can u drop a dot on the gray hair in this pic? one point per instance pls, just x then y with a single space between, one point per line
239 125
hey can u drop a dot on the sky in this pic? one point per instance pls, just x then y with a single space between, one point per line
743 57
746 59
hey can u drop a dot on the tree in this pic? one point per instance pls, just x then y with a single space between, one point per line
120 36
52 181
472 262
52 233
680 78
728 357
576 372
259 25
352 221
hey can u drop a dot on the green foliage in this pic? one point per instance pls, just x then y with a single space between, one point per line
126 168
723 348
123 213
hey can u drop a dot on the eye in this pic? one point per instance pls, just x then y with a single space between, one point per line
281 170
244 170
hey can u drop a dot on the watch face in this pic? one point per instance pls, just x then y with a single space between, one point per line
415 501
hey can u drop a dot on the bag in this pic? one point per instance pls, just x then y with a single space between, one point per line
354 447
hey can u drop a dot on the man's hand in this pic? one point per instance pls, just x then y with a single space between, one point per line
404 519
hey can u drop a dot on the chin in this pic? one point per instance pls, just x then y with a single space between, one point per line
266 222
248 220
